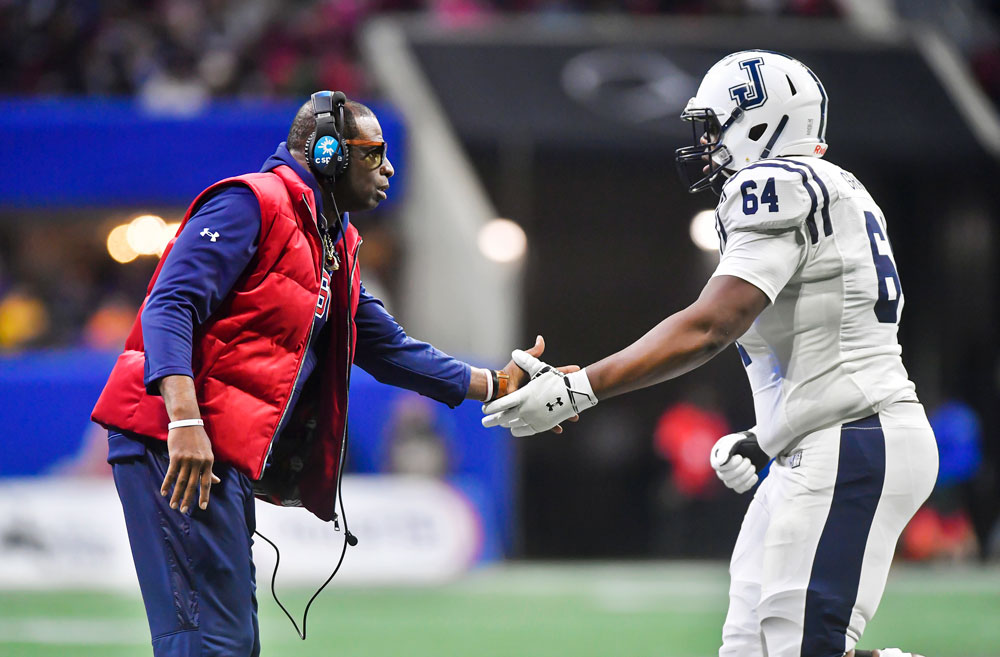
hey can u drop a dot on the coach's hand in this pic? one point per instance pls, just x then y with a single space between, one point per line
733 458
190 472
518 376
190 450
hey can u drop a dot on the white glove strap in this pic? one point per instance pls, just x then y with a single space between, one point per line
177 424
581 394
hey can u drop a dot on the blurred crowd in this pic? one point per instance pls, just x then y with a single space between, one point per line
182 52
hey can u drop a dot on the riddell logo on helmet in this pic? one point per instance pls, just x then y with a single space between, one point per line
820 149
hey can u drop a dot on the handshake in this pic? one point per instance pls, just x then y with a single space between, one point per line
551 396
554 395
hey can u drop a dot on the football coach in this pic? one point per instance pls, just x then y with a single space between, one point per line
235 375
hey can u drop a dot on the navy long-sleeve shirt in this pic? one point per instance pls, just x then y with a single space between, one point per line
205 262
212 251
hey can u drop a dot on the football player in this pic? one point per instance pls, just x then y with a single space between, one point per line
808 290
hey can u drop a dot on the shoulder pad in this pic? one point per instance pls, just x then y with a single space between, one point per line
768 195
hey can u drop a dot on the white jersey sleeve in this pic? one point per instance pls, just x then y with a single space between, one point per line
768 195
761 218
766 260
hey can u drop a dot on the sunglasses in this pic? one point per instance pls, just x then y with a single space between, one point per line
374 156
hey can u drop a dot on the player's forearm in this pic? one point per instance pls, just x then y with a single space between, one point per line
180 398
725 310
676 345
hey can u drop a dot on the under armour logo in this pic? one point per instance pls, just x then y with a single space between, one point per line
552 406
208 233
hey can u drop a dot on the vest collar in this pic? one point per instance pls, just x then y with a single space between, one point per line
283 157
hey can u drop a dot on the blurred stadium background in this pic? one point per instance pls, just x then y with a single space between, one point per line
507 120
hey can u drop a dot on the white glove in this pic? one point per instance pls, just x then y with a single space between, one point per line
550 398
736 471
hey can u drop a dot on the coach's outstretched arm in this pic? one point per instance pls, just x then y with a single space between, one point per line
687 339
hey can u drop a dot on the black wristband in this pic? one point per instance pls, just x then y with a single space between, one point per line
750 449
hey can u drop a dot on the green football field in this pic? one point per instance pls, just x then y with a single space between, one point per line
526 610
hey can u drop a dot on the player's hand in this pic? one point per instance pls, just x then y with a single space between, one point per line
528 366
733 458
190 471
519 376
551 397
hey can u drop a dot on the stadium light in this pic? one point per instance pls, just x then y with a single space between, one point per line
118 246
145 234
502 240
703 231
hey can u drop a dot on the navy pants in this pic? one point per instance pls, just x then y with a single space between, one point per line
195 570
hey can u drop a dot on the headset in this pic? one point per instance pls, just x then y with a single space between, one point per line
326 151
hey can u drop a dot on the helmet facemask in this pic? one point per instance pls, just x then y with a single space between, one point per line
703 165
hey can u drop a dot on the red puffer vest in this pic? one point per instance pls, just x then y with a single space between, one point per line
247 356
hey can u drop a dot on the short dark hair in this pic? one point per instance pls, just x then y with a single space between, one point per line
304 123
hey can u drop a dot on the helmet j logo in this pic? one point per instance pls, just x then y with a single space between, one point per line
326 148
750 94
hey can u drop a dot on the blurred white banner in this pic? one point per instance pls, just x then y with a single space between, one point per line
59 532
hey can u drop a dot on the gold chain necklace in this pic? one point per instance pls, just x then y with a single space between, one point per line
329 252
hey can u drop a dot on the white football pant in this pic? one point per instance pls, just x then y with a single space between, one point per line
813 554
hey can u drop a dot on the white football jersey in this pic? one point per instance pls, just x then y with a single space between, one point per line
811 237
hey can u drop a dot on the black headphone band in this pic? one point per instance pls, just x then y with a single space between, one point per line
322 103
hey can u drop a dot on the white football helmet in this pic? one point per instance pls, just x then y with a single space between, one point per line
751 105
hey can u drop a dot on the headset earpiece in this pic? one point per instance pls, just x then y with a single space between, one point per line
327 154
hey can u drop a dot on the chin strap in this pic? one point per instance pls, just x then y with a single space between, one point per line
774 138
